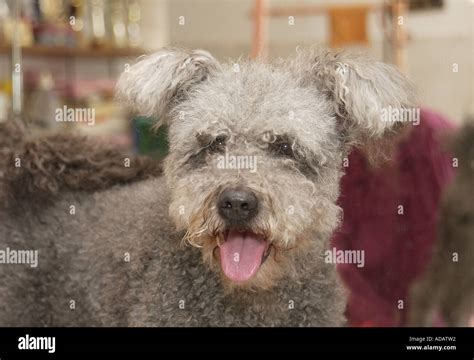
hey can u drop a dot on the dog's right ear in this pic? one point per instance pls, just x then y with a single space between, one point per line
157 82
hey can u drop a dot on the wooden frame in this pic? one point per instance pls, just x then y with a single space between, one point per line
262 13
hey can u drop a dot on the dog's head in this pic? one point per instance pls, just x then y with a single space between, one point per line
256 149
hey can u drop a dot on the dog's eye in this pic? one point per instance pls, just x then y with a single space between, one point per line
218 144
284 149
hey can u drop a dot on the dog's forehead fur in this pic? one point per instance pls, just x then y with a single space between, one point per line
247 101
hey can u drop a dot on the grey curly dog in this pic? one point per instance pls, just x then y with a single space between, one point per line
234 231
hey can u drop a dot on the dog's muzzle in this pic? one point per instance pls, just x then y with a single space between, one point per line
242 252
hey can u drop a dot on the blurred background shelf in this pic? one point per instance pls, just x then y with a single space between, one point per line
64 51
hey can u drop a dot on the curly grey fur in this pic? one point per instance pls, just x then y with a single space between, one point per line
254 106
38 169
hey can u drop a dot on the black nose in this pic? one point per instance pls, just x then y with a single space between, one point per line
237 205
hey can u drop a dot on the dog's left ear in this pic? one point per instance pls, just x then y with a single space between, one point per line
361 91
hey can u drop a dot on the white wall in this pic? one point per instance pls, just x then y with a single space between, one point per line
155 23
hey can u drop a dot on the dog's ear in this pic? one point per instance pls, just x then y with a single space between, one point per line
361 91
157 82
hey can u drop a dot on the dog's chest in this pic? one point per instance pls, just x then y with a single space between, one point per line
189 294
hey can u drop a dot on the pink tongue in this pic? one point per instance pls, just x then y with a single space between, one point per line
241 255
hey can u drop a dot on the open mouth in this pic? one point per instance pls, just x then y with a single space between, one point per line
242 253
